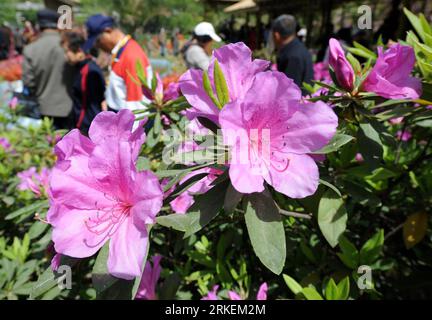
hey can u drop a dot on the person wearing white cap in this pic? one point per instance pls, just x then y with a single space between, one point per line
197 52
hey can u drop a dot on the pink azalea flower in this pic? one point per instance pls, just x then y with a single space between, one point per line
150 277
261 295
239 70
160 95
396 120
172 92
55 139
97 195
262 292
343 70
36 182
321 72
404 136
391 76
4 143
359 157
55 262
13 103
212 295
272 132
234 296
184 201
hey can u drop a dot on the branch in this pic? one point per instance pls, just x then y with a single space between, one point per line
295 214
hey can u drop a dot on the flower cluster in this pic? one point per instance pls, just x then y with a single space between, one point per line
266 124
97 195
389 78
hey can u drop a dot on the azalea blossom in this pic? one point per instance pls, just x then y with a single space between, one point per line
359 157
342 68
160 96
13 103
239 70
321 72
404 135
212 295
391 76
397 120
232 295
5 144
97 195
55 262
37 182
261 295
185 200
270 133
150 277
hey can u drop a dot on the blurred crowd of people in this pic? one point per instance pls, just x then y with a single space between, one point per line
62 70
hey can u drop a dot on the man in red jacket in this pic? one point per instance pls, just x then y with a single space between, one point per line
123 91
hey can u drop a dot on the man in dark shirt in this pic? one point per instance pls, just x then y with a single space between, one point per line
293 58
88 90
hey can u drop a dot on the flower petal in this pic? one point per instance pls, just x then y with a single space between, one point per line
127 250
310 128
299 180
70 234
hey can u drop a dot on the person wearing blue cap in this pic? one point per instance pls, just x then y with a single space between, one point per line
46 75
123 91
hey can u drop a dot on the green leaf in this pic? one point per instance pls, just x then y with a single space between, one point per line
331 290
205 208
28 210
355 63
50 279
141 73
207 123
415 22
184 186
370 145
366 50
176 221
209 90
363 53
232 199
338 140
350 254
170 286
221 85
310 293
157 124
37 229
344 288
332 217
143 163
266 231
371 250
293 285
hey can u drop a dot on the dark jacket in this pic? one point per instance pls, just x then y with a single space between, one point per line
88 93
47 75
296 62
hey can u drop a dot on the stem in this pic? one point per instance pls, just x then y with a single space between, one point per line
295 214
